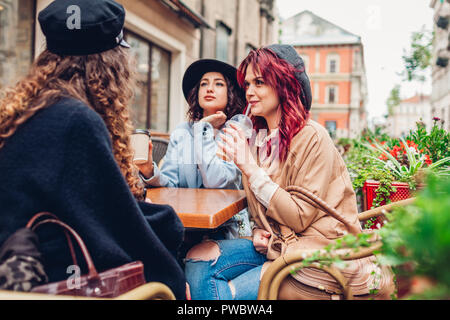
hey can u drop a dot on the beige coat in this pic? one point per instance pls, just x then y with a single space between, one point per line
314 163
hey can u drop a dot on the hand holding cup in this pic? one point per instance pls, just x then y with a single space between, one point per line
146 168
233 144
143 147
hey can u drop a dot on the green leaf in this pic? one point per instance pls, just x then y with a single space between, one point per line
439 163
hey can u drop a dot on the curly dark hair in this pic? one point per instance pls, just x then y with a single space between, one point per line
235 102
103 81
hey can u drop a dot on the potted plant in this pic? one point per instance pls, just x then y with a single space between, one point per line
407 162
385 169
362 166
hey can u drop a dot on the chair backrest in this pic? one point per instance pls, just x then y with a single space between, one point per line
159 148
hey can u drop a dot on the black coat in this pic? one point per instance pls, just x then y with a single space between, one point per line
61 161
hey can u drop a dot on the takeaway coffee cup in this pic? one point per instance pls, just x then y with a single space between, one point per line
139 142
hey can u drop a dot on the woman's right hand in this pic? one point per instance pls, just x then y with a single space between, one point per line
216 120
261 240
146 169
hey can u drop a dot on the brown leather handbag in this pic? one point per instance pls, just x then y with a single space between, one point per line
108 284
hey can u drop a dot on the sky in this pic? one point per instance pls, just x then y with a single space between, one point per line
385 27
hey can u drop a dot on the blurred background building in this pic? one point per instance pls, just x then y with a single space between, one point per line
17 29
407 113
334 60
166 36
440 95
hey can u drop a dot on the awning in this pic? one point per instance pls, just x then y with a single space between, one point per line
184 11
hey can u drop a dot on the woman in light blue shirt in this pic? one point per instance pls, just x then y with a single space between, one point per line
214 96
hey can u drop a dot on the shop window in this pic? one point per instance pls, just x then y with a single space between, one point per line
16 39
331 128
222 39
150 108
159 100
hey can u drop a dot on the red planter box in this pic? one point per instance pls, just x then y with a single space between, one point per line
402 192
370 192
370 187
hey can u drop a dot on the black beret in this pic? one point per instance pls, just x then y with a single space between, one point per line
288 53
82 27
196 70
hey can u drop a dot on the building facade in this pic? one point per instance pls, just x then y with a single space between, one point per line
440 94
165 37
238 26
17 29
407 113
334 61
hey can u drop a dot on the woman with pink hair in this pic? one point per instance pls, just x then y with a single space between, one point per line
288 150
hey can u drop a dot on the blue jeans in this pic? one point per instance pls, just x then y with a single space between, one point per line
238 262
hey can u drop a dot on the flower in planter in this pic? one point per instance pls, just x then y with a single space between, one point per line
406 161
435 142
427 159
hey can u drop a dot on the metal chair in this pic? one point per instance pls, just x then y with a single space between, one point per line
159 149
281 267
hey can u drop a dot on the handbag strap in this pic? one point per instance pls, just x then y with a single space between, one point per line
320 204
69 241
93 274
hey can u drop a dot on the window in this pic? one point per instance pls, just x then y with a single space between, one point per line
159 100
333 63
331 127
332 66
332 94
16 39
222 35
150 107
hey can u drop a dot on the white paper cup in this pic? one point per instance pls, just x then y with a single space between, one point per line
139 142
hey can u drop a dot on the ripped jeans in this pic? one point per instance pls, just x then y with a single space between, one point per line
238 262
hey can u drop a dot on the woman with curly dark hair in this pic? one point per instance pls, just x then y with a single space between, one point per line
213 94
65 148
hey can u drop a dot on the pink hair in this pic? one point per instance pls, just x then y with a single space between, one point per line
280 75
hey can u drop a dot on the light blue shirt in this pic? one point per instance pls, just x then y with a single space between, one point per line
191 162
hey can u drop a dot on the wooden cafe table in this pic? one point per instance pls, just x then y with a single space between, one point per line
200 208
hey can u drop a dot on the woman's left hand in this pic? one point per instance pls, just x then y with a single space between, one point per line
216 120
235 147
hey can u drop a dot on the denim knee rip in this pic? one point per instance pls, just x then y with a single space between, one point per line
211 261
239 263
